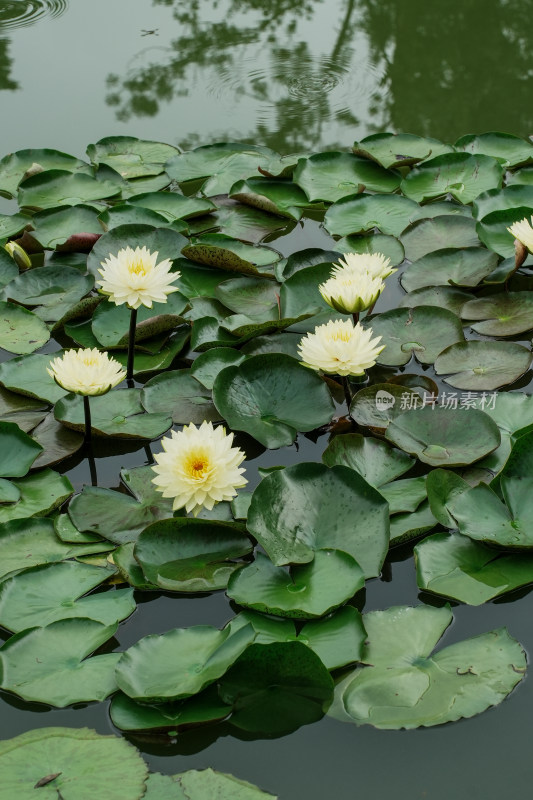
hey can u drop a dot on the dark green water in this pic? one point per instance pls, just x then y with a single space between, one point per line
308 76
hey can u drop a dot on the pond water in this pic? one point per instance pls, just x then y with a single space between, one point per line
309 76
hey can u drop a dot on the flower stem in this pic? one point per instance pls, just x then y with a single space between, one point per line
131 343
355 316
92 467
347 391
87 411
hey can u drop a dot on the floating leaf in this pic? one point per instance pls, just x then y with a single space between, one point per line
399 149
462 175
292 399
173 205
118 413
44 594
503 314
388 246
276 196
501 199
52 291
167 243
56 187
438 233
110 323
492 229
206 367
374 459
179 663
423 331
204 707
219 250
403 686
331 176
18 451
303 591
61 762
13 167
200 784
455 566
53 227
28 376
466 267
117 516
191 555
46 665
276 688
483 365
57 441
447 297
40 493
307 507
511 150
444 437
443 486
390 213
376 406
179 393
131 157
405 527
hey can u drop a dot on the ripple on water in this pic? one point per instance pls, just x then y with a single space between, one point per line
343 84
18 13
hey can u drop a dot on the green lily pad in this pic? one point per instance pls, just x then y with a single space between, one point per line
405 495
308 507
27 375
438 208
179 663
275 688
173 205
399 149
388 246
166 242
374 459
61 763
21 331
462 175
275 196
57 441
443 486
411 525
331 176
110 323
191 555
51 291
40 493
455 566
16 166
502 199
18 451
202 784
513 414
44 594
492 229
423 331
251 296
57 187
447 297
118 413
376 406
502 314
131 157
207 366
54 226
219 166
8 492
483 365
25 543
304 591
219 250
390 213
118 516
243 222
511 150
302 259
205 707
179 393
299 294
466 267
8 268
444 437
129 568
404 686
292 399
12 224
126 214
438 233
46 665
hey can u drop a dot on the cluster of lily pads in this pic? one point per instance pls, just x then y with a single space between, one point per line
427 445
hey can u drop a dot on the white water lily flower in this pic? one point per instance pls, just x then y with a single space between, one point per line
340 348
87 372
351 292
199 467
135 278
523 232
376 265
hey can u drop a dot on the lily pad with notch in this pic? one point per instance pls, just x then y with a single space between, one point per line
374 459
131 157
331 176
459 267
358 213
399 149
483 365
506 314
462 175
180 394
438 233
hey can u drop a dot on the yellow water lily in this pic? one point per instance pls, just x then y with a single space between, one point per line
340 348
199 467
523 231
87 372
375 265
351 292
134 277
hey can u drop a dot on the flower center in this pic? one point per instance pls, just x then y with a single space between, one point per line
137 268
89 361
198 467
343 336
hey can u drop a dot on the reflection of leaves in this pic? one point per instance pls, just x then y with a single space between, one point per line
6 62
